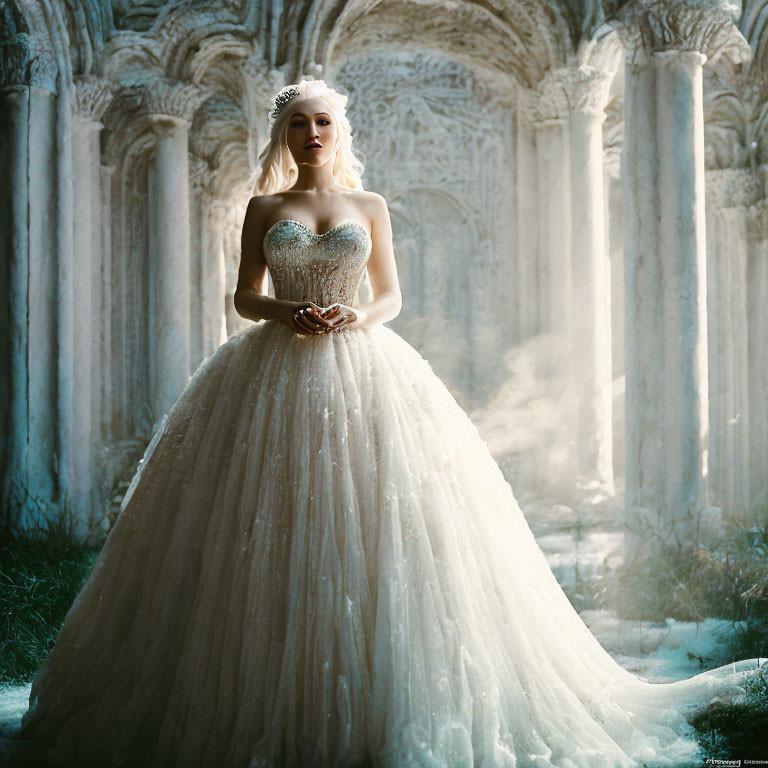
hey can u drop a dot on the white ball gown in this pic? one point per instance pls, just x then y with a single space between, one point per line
319 563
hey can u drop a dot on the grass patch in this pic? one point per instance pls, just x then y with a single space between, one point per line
728 582
731 730
41 572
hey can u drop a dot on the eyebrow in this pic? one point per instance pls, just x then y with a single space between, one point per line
295 114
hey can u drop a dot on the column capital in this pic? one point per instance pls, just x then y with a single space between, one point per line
173 101
566 90
707 26
92 97
732 188
20 66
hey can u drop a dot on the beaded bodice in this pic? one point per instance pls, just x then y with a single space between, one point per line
323 268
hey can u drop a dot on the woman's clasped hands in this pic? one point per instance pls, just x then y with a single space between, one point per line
310 319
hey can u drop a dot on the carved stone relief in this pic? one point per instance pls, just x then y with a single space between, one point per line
415 120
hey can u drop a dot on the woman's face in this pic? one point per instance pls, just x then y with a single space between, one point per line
310 123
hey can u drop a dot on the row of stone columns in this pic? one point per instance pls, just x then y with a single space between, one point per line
560 187
67 321
665 268
52 244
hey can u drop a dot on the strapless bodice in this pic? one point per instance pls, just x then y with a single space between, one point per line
324 268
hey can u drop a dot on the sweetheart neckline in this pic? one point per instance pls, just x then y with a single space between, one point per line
342 223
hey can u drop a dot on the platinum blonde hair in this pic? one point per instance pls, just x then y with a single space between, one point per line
278 168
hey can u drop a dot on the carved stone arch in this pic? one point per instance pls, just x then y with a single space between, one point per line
231 116
736 100
753 24
514 42
137 17
231 173
195 42
415 118
212 60
126 122
219 130
132 59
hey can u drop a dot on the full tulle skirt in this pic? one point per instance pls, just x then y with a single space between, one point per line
319 563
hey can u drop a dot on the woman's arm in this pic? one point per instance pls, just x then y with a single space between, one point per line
249 301
382 272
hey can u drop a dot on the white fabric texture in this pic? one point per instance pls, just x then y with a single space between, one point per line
319 563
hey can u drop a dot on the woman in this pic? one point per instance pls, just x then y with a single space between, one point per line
318 562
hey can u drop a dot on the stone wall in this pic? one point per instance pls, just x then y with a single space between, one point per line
597 187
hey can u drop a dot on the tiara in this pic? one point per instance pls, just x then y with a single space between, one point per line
287 94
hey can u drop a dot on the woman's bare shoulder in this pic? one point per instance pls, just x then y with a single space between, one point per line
264 201
261 207
372 203
364 195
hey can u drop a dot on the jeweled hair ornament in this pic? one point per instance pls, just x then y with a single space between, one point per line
286 95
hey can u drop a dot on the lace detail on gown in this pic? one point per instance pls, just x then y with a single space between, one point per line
319 563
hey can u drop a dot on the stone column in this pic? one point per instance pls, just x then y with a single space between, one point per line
730 193
543 214
38 299
757 318
682 248
550 118
527 226
665 269
198 200
14 281
108 300
614 244
172 107
91 98
590 326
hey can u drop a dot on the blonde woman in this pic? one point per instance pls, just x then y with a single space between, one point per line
319 563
